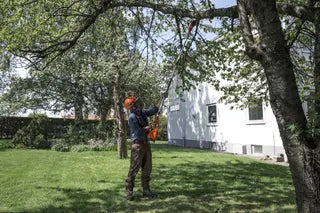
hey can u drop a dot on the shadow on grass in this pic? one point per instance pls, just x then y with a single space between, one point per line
192 187
235 186
171 148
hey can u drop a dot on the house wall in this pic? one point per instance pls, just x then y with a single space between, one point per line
188 126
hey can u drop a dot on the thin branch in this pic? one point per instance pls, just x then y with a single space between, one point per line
296 35
145 30
179 31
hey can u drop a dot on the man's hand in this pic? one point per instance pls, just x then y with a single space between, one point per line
147 128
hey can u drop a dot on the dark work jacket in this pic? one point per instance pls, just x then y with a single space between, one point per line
138 121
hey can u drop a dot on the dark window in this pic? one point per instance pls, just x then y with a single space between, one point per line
212 114
256 112
256 149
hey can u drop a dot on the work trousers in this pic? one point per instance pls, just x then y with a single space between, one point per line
141 157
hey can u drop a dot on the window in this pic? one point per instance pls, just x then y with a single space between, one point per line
212 114
256 149
175 107
256 114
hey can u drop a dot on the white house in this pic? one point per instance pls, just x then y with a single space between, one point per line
199 121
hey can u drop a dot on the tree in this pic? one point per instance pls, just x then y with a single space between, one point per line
124 76
118 67
273 53
264 42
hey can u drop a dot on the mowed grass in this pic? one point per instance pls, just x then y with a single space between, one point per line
186 180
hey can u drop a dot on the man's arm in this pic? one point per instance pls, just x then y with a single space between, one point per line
151 111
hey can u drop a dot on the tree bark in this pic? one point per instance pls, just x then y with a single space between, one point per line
102 123
118 110
78 106
285 102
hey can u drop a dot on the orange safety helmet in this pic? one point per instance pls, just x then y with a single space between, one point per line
128 103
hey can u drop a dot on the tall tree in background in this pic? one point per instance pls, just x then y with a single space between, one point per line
117 65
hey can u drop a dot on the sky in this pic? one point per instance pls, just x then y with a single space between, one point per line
224 3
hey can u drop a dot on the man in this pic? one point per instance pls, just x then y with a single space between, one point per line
140 149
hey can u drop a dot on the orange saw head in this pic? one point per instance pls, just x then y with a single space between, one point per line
152 135
155 125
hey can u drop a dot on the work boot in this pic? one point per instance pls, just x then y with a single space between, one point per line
149 193
130 196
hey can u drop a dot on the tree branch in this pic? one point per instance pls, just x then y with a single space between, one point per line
57 48
252 49
303 12
182 13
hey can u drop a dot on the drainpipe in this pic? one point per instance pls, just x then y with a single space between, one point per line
274 145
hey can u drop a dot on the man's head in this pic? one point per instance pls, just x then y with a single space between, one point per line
132 102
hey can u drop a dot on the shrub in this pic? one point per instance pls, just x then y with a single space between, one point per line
19 146
96 142
6 144
79 148
35 134
21 138
97 148
111 141
78 135
61 146
109 148
163 131
41 143
37 126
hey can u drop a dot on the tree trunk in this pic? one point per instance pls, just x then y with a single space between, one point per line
102 123
78 106
118 110
286 104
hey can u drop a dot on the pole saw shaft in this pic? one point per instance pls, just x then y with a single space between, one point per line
152 135
166 93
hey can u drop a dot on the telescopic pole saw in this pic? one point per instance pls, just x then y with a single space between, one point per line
155 125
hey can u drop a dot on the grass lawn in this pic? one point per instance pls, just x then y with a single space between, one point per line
186 180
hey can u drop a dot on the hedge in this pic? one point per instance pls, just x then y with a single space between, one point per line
57 127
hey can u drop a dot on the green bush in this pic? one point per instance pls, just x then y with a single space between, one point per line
61 146
79 148
163 130
35 134
41 143
21 138
37 126
84 148
78 135
19 146
109 148
6 144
